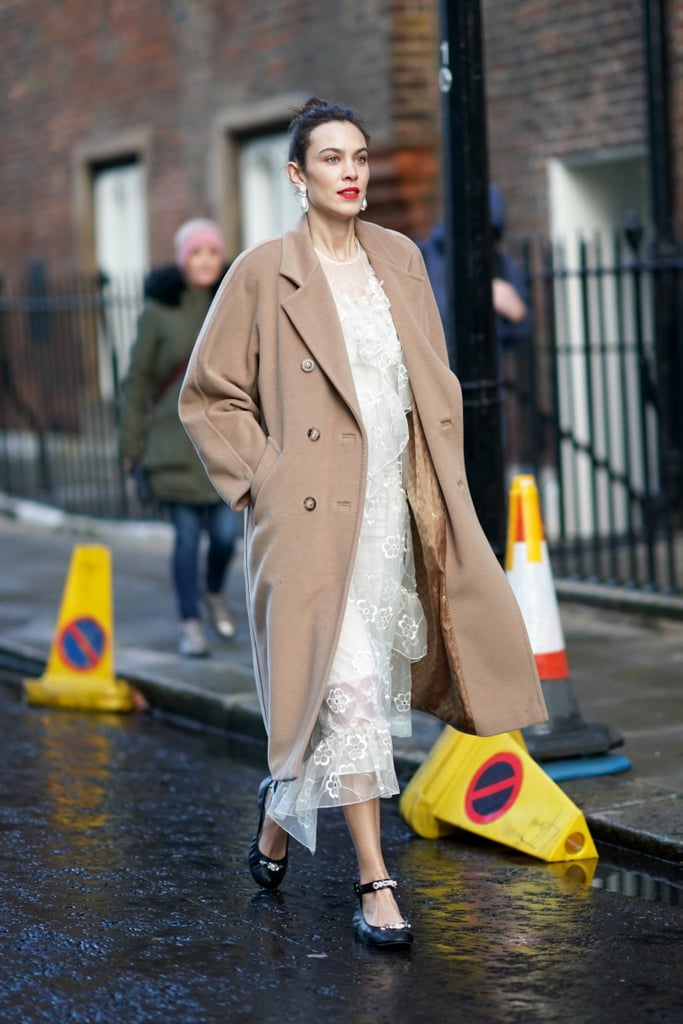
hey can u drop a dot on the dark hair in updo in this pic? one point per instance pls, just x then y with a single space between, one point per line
313 113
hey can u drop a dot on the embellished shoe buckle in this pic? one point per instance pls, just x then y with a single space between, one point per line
271 865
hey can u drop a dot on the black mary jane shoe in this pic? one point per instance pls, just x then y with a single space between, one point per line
387 935
267 872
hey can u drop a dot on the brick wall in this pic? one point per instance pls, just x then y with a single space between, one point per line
416 114
564 77
77 75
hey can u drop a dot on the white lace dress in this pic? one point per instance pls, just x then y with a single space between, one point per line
350 754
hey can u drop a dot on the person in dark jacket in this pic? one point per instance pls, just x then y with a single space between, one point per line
510 293
513 325
177 299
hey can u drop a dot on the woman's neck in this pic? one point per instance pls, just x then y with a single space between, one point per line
338 241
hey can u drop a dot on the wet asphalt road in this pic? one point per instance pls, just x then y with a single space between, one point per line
125 898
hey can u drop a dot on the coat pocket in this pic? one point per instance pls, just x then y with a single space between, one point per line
271 454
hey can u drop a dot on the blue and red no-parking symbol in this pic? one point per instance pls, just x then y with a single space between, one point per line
82 643
494 788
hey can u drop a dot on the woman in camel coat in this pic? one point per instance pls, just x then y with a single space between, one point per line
271 401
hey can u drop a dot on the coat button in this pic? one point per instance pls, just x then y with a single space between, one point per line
307 365
313 434
309 504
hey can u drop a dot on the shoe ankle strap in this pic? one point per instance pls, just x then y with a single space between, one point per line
380 883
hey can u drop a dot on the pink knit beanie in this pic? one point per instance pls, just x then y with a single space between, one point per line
193 234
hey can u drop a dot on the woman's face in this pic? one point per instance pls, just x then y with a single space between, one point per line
203 266
337 171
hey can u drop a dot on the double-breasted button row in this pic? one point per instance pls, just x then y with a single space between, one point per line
313 434
307 365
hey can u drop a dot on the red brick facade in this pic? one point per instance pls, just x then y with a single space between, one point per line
82 83
564 78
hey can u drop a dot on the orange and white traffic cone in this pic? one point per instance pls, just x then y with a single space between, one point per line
566 733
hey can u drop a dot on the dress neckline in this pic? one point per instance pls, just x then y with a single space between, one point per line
340 263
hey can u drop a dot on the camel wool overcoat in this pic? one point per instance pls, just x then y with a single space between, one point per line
269 402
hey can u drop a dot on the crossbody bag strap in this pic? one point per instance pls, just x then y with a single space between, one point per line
176 373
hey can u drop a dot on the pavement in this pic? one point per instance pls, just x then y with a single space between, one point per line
626 666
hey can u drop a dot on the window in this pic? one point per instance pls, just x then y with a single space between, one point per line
120 219
121 255
268 202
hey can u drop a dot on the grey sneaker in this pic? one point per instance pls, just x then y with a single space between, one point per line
220 616
192 643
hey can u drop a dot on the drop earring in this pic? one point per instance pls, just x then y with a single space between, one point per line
364 204
303 199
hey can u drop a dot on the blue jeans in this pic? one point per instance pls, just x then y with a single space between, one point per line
221 524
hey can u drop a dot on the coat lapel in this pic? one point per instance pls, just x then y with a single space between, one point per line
313 313
406 293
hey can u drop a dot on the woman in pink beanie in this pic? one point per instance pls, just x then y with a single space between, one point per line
199 244
178 297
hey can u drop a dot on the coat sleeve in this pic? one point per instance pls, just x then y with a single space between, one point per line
433 321
219 400
140 387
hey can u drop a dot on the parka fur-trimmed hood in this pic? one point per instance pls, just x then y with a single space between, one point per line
166 285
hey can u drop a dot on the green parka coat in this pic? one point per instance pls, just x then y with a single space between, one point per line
151 431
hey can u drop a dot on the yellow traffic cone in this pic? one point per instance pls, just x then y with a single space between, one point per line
527 563
492 787
80 668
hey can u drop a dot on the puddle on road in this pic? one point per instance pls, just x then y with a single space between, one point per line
616 870
626 874
642 878
638 884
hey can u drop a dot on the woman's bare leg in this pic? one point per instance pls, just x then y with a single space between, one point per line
363 822
272 842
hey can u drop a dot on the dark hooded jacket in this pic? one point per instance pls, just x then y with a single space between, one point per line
151 432
509 334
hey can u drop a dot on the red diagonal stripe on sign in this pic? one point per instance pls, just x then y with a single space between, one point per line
495 787
85 645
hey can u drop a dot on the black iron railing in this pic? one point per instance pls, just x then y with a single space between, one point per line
63 350
592 409
593 404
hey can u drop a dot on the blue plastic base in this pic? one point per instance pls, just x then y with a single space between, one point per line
584 767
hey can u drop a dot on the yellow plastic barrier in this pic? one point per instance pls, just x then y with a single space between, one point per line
80 668
492 787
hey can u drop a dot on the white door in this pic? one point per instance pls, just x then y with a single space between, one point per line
589 200
121 251
269 204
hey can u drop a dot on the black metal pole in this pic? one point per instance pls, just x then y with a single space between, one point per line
658 117
471 329
666 308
